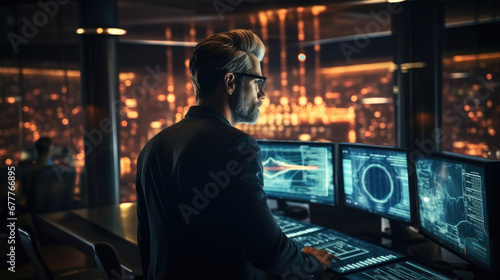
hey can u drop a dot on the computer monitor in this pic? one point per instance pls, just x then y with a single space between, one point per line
455 203
299 171
375 179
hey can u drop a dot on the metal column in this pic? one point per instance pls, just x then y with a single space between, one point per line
417 34
100 98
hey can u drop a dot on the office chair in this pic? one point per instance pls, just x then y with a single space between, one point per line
107 261
51 190
31 245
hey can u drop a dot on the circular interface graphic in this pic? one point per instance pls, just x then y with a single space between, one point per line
377 183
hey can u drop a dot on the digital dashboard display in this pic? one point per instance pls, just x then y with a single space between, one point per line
452 206
300 171
376 180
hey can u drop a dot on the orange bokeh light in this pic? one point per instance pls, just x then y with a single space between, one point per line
171 98
155 124
332 95
302 101
161 97
352 136
132 114
316 10
283 100
318 100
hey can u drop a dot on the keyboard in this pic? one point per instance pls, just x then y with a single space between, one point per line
354 254
292 228
405 270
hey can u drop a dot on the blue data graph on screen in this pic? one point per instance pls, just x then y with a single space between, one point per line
376 180
452 206
298 171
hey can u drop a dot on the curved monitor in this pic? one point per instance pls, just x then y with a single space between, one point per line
375 179
299 171
453 193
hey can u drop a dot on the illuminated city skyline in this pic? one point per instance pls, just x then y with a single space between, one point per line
355 107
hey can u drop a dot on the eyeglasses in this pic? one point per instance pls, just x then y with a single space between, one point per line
261 81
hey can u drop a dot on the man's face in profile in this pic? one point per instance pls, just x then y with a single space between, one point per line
245 101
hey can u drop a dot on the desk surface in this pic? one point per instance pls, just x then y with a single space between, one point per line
118 219
82 228
116 225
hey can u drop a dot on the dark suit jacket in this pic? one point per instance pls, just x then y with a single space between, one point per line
202 212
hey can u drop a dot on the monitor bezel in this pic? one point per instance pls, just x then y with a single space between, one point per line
411 185
489 166
312 143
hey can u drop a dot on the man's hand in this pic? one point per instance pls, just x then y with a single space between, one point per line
322 255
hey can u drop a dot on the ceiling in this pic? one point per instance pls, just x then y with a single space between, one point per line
147 20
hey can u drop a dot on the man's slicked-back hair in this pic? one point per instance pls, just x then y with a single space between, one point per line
222 53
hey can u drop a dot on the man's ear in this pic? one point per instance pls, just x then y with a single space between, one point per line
229 83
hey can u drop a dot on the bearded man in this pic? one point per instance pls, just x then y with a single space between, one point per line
202 212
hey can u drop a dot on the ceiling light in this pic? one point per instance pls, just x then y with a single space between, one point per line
102 31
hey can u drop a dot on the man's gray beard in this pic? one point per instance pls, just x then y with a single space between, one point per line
244 112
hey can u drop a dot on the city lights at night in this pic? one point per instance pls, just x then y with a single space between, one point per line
309 97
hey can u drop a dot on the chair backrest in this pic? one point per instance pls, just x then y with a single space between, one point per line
32 248
51 190
107 261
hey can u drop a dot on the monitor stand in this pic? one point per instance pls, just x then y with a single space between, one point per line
401 232
464 271
350 221
295 212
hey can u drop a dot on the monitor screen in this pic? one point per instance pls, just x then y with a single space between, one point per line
376 180
452 206
298 171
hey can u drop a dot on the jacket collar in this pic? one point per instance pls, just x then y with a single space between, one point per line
205 112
